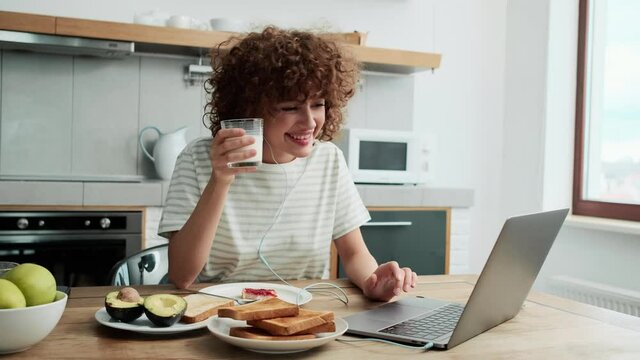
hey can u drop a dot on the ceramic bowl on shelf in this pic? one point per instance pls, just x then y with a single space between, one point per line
155 18
24 327
227 24
180 22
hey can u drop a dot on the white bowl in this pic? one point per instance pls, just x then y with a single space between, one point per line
180 21
227 24
24 327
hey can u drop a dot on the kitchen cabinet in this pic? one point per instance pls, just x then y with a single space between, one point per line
158 39
415 237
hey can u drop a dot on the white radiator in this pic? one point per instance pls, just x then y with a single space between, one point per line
606 296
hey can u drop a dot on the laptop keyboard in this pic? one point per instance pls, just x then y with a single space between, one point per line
430 326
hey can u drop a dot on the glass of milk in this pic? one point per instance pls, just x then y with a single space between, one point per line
252 127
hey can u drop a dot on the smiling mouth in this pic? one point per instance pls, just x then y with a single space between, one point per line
303 139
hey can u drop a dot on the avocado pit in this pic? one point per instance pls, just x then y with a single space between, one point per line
124 305
129 294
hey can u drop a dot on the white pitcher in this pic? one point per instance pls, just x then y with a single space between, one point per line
167 149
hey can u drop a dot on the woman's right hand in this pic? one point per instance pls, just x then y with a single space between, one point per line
225 149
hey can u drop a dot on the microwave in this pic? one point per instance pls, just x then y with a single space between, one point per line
384 156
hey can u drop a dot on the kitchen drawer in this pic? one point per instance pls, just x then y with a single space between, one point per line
414 237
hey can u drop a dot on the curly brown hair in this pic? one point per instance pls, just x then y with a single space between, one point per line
264 68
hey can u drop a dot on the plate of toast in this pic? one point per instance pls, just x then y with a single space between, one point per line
274 326
196 316
257 290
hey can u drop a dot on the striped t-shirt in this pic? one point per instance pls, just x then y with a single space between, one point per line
322 204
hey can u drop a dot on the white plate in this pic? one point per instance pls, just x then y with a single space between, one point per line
219 327
145 326
285 292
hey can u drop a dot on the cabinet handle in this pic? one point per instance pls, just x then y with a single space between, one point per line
388 223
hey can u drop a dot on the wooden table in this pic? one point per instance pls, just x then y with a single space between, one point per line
548 327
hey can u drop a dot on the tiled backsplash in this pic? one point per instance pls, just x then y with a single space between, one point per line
74 115
81 115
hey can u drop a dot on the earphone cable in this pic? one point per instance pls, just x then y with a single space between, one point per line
286 194
424 347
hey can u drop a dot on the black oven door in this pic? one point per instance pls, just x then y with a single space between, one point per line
73 259
78 247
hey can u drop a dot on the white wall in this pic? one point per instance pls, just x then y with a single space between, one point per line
463 105
526 67
540 105
594 255
559 119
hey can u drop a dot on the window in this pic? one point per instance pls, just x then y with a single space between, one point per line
607 146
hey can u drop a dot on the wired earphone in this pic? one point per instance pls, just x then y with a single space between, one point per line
313 287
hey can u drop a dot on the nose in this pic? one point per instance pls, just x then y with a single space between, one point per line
308 115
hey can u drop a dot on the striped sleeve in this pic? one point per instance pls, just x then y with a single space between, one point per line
350 210
183 195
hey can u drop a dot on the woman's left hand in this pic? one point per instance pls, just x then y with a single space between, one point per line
389 280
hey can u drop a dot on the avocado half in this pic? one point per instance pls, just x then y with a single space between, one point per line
164 309
125 311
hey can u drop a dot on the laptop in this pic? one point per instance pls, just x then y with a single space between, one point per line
503 285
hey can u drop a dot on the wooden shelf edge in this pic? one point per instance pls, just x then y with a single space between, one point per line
387 57
374 59
139 33
27 22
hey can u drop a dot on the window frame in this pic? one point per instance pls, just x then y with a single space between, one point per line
580 205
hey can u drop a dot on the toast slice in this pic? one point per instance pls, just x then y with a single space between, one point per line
259 334
201 307
261 309
328 327
306 319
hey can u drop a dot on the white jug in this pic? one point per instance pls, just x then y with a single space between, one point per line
167 149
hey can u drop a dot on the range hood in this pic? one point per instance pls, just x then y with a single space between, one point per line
14 40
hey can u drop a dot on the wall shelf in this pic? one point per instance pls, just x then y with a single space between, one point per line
196 42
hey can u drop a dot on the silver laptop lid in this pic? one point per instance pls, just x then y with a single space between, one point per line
509 273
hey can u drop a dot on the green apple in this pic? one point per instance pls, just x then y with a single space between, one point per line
10 296
35 282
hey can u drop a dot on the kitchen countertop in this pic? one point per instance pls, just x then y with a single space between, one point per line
134 192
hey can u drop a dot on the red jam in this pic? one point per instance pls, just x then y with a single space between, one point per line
258 293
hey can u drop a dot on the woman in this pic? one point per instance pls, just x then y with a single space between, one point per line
226 223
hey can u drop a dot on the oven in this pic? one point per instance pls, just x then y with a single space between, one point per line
78 247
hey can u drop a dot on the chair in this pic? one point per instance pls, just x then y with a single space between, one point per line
148 267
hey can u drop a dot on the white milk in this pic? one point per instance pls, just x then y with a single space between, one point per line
254 160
